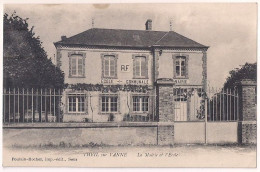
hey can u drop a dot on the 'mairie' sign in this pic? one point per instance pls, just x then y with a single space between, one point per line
180 81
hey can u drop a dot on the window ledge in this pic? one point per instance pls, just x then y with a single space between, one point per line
76 113
181 77
107 77
140 77
76 77
108 113
139 113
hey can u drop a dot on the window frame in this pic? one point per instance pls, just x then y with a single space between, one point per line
103 58
77 95
179 57
135 57
140 102
77 56
109 102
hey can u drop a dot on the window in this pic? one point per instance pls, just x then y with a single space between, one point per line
180 66
140 103
76 64
109 66
140 69
109 103
76 103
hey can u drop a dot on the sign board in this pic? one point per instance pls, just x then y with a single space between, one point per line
180 81
127 82
125 68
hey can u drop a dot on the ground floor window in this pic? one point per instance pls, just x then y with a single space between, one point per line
109 103
140 103
76 103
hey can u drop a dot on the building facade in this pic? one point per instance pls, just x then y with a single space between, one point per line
131 75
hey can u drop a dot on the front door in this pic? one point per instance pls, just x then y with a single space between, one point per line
180 109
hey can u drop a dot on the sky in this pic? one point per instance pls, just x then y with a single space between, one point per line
230 29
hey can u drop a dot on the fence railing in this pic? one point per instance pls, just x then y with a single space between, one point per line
44 105
223 105
31 105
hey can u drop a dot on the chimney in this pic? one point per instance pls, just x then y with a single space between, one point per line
148 24
63 38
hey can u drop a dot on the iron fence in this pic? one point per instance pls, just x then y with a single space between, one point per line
223 105
31 105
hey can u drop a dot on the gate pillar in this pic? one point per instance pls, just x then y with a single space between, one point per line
165 101
165 110
247 118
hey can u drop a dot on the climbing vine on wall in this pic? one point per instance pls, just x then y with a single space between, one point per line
109 88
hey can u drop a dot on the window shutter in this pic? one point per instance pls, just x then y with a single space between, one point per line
69 66
100 103
86 104
134 66
174 65
146 67
67 103
116 57
187 66
118 103
84 57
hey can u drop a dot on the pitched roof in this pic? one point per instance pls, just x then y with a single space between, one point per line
129 38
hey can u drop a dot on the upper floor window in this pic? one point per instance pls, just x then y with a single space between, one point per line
109 66
180 66
140 67
76 64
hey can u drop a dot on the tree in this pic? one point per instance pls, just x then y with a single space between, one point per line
25 61
247 71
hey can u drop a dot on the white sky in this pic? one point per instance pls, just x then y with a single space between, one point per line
229 29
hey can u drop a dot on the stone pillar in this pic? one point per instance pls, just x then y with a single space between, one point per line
165 132
165 103
247 118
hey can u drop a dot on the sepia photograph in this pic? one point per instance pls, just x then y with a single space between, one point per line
130 85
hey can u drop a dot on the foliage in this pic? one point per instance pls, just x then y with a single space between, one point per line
25 61
247 71
109 88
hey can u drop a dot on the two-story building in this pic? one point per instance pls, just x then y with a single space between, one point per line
131 75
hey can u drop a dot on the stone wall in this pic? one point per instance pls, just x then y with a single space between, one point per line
80 136
165 134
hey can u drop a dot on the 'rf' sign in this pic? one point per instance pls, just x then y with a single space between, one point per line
125 68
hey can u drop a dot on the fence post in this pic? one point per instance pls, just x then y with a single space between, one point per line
206 119
23 105
4 105
32 105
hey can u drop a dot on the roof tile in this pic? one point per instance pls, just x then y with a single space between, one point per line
133 38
